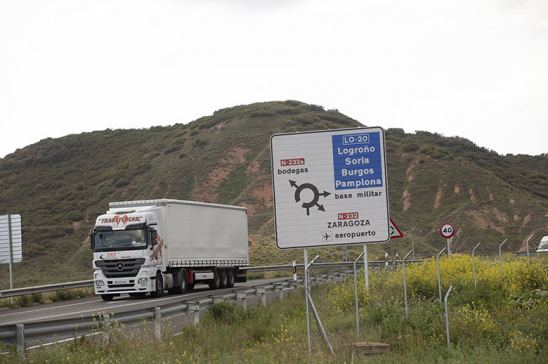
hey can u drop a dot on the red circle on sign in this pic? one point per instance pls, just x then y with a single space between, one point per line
447 231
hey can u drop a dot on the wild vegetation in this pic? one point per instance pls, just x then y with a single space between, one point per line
503 320
61 185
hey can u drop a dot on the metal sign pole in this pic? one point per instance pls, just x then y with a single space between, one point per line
10 247
448 247
405 286
306 299
447 318
356 294
474 263
527 246
366 267
500 255
439 273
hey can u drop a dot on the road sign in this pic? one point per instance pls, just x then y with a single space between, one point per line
395 232
10 233
330 188
447 230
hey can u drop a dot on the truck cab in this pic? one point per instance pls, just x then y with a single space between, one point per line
127 253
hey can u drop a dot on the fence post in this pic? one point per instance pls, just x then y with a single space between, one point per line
280 289
500 255
157 323
20 331
447 318
106 329
356 293
439 273
262 295
195 308
527 247
242 298
405 285
474 264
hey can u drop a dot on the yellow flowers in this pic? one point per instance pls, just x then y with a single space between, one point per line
518 277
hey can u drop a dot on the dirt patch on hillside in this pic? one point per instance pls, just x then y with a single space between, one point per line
207 191
220 126
472 195
253 168
263 194
481 220
456 189
406 200
516 218
499 215
437 201
409 176
527 219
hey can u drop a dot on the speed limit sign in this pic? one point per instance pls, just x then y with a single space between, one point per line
447 231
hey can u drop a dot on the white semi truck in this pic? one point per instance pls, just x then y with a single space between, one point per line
150 246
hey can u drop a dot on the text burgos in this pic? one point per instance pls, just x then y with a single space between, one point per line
120 219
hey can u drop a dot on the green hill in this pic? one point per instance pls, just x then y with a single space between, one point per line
60 185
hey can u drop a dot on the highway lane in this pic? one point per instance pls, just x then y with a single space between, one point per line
92 306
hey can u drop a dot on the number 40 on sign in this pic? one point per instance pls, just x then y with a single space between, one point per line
447 231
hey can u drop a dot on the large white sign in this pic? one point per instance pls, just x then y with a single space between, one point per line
16 249
330 188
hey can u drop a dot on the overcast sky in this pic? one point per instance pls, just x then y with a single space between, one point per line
472 68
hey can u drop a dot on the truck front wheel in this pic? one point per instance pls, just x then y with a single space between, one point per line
107 297
159 292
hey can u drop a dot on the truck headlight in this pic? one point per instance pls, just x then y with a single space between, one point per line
142 281
99 283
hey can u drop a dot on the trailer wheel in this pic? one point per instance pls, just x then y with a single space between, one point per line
230 278
180 281
190 286
215 283
223 277
107 297
159 292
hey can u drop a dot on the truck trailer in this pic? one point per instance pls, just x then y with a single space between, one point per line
150 246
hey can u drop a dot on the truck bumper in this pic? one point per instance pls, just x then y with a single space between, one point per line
142 282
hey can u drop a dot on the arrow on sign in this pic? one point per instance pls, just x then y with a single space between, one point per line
395 232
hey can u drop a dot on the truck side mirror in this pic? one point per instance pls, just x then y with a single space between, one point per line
153 238
92 241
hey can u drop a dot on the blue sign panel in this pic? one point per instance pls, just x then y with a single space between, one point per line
357 161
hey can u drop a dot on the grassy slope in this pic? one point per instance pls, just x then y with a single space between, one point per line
60 185
503 321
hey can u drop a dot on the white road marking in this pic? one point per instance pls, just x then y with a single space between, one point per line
47 308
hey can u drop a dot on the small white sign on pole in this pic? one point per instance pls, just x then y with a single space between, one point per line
330 188
10 238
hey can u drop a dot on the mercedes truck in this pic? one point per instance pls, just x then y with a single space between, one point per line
150 246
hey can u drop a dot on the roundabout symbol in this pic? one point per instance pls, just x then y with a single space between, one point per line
315 198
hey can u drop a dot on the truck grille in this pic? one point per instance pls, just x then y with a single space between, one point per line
120 267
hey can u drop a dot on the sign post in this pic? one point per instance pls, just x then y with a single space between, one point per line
447 231
10 242
330 188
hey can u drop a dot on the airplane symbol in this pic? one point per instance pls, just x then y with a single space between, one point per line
327 236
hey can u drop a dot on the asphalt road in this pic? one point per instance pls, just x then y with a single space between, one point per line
92 306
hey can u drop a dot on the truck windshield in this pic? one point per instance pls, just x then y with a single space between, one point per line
120 240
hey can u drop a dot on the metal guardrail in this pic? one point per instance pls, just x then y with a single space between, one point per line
38 332
265 268
45 288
